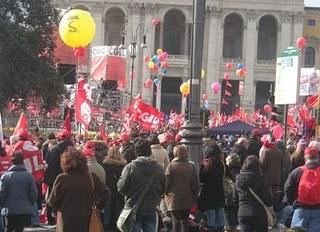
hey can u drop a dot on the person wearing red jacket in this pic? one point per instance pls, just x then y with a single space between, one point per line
302 189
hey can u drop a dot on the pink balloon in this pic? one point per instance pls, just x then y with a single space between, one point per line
165 55
301 42
215 87
149 83
226 76
205 97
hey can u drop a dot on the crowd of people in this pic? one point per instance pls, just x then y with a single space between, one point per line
146 182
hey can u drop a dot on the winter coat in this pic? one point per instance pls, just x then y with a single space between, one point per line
297 159
133 180
113 169
53 161
182 184
18 191
161 155
233 171
212 194
240 151
128 152
96 168
254 147
72 196
270 160
248 205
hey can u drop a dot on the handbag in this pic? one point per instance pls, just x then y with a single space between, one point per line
272 220
128 215
95 224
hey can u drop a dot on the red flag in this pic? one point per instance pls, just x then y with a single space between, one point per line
304 113
237 112
227 93
22 124
147 116
228 84
312 101
67 122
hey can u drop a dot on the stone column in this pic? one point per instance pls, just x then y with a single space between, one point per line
186 38
147 94
161 34
215 50
286 32
298 26
250 58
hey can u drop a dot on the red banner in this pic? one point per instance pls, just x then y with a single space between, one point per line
108 63
82 103
32 156
148 117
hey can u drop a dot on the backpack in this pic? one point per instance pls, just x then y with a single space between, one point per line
309 187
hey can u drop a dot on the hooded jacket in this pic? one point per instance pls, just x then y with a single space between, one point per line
113 169
17 191
161 155
135 177
248 205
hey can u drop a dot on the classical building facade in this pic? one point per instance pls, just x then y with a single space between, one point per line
252 32
311 32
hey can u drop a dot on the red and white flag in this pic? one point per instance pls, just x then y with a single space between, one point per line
22 124
82 103
148 117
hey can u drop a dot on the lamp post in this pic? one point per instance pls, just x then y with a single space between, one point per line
192 129
134 35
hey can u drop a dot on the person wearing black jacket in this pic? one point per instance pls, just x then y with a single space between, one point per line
53 168
251 214
306 216
254 143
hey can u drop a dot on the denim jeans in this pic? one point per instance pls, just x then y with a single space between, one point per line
146 223
306 219
215 217
35 215
283 214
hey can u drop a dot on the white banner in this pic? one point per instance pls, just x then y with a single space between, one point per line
287 84
309 80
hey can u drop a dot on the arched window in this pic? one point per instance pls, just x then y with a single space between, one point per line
233 36
82 7
309 57
174 32
267 38
114 19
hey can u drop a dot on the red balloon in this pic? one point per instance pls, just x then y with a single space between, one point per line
148 83
79 52
229 66
205 97
147 58
301 42
226 76
165 65
267 108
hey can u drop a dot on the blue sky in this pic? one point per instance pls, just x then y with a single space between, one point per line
312 3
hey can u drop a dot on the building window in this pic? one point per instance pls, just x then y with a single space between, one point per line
311 22
174 32
229 103
267 38
114 20
233 36
264 90
170 94
309 58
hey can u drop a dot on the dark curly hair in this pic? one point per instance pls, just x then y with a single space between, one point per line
73 161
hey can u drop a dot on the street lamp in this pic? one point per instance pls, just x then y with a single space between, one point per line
134 35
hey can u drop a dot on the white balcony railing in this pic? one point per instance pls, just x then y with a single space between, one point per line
178 60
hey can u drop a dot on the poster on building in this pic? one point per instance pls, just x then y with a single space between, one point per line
287 77
309 80
108 63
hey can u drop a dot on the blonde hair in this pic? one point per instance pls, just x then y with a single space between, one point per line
179 151
233 160
114 153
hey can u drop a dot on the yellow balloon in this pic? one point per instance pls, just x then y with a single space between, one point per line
185 88
150 65
77 28
203 73
159 51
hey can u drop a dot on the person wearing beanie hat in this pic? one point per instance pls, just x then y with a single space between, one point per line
143 176
93 165
158 152
297 157
302 189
